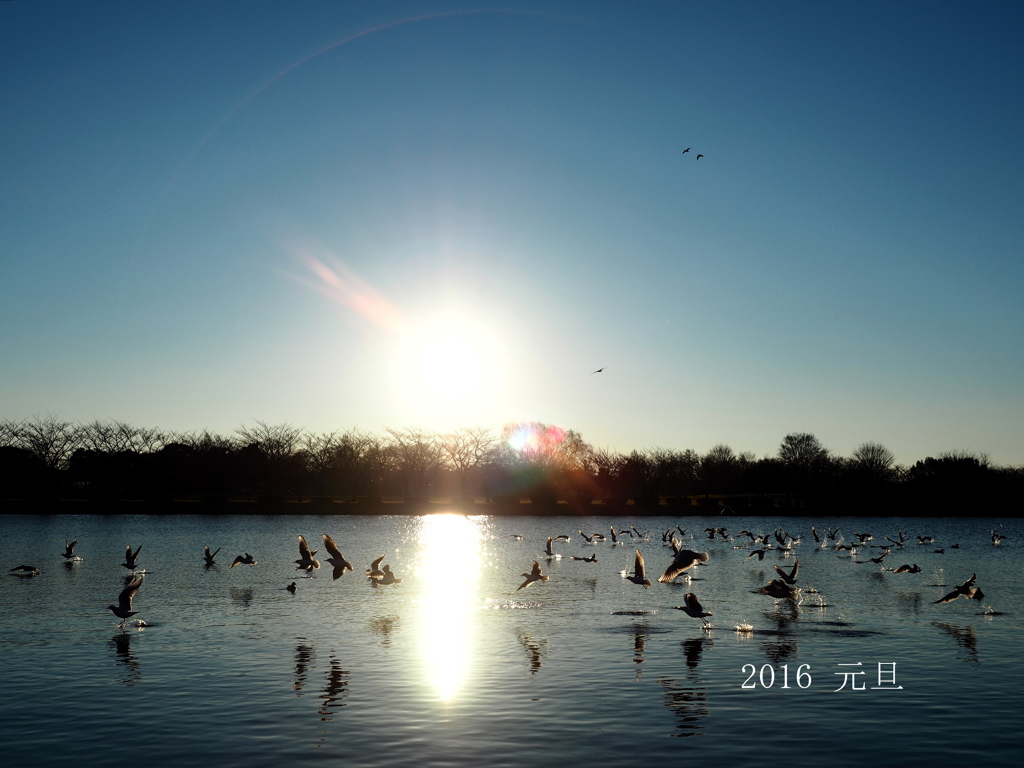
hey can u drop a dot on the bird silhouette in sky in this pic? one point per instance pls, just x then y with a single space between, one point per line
599 370
686 150
699 156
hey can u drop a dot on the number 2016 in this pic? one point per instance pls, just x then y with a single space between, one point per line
766 676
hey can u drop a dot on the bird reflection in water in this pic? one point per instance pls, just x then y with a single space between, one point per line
535 650
305 655
334 691
640 634
692 650
689 704
449 569
121 645
383 626
965 637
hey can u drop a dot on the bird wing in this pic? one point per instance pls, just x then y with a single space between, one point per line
71 547
970 582
376 563
691 602
950 597
238 559
304 552
638 566
332 548
535 572
124 600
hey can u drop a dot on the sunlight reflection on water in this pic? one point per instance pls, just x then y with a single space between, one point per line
451 548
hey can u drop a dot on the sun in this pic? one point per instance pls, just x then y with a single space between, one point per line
449 365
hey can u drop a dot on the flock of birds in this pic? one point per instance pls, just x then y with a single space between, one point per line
784 587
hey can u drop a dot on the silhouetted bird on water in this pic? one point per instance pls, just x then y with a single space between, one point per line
915 568
591 559
69 549
532 576
306 562
967 589
291 587
759 553
684 560
210 558
780 590
123 609
388 577
336 559
25 570
131 559
246 560
639 577
692 607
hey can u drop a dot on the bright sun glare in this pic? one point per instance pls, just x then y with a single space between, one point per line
451 553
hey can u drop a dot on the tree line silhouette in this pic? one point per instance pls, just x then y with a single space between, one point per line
46 458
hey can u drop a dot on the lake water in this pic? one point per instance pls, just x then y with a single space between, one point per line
449 669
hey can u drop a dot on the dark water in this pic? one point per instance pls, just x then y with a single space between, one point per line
447 668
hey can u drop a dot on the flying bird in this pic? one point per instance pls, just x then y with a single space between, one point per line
306 561
532 576
639 577
686 150
684 560
699 156
388 577
691 607
779 590
123 609
69 549
374 571
25 570
336 559
915 568
759 553
789 578
131 559
967 589
246 560
599 370
210 558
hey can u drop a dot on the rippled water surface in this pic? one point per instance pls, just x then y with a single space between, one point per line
449 668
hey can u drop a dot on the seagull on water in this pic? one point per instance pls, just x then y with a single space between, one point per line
336 559
246 560
915 568
639 577
123 609
779 590
25 570
306 562
532 576
131 559
211 557
684 560
591 559
291 587
691 607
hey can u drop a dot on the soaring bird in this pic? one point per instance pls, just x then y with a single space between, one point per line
25 570
131 559
532 576
69 549
246 560
123 609
967 589
599 370
876 560
306 561
686 150
759 553
211 558
789 578
374 571
699 156
691 607
639 577
684 560
336 559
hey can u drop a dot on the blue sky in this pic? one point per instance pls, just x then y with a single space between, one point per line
448 214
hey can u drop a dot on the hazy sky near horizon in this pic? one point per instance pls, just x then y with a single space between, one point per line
444 214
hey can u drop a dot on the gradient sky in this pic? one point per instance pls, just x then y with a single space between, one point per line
444 214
